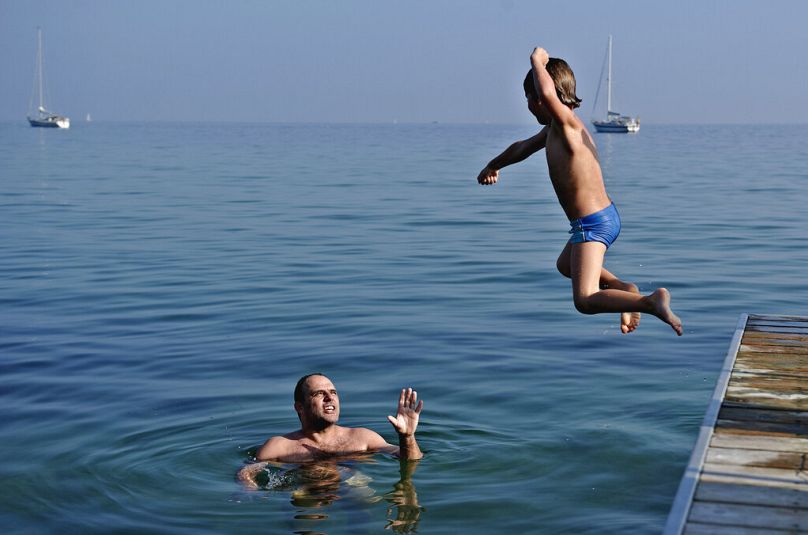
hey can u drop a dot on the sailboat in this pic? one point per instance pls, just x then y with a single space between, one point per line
614 122
43 117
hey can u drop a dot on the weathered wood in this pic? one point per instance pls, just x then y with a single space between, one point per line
756 474
754 495
775 317
771 380
723 438
763 363
752 475
695 528
768 329
760 338
752 396
774 323
774 353
736 411
751 516
759 458
747 428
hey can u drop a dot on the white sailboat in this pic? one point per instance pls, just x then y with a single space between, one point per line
43 117
614 122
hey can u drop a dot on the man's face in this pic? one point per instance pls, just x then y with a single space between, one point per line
320 405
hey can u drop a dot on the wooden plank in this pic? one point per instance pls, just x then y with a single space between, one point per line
763 363
772 354
759 338
779 329
695 528
772 317
750 407
770 399
762 428
753 335
757 482
754 495
776 323
743 412
775 349
723 439
784 391
776 317
769 380
754 475
751 516
758 458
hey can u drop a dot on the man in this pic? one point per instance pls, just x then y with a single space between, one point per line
319 437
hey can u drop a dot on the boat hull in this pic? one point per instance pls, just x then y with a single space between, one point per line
616 128
50 122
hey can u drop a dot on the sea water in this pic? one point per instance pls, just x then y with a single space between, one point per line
163 286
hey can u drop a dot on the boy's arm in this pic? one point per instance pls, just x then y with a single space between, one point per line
546 88
515 153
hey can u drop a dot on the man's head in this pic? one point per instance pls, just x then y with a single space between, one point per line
316 401
564 82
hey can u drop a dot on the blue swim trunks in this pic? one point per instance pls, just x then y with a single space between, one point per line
602 226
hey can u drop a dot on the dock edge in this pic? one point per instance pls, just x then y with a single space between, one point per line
687 487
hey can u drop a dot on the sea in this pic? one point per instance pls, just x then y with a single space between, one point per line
164 285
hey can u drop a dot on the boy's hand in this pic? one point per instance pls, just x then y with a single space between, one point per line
488 176
540 57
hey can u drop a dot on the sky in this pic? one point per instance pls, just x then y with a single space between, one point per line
380 61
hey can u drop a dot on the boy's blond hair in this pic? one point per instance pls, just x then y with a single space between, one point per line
563 80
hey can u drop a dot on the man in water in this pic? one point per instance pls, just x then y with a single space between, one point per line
319 436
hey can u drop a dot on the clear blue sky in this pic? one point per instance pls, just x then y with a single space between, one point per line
688 61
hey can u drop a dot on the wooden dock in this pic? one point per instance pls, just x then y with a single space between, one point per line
748 473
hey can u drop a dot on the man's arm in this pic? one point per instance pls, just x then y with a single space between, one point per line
546 88
247 475
405 422
515 153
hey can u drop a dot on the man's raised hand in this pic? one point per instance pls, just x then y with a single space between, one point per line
409 410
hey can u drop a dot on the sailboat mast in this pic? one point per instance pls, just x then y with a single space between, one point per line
39 64
609 80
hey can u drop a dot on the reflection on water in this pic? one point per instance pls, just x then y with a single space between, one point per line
315 487
404 511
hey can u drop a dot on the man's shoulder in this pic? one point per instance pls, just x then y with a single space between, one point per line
368 437
278 446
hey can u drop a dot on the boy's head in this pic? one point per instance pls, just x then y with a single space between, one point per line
563 79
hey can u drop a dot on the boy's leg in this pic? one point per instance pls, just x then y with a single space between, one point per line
586 264
629 321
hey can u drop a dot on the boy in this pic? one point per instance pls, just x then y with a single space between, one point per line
576 177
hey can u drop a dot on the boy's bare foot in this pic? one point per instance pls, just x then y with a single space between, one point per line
629 321
661 302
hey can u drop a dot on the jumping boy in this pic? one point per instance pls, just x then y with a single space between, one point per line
576 177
